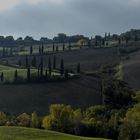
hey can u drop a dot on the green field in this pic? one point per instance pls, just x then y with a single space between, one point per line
10 71
17 133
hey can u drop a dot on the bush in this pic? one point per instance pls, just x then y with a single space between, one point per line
23 120
60 118
130 129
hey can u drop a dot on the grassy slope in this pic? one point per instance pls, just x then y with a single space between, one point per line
16 133
10 71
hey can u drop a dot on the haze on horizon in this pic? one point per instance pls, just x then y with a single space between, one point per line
49 17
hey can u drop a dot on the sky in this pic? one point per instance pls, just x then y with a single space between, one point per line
47 18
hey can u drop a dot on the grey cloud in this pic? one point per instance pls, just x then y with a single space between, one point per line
87 17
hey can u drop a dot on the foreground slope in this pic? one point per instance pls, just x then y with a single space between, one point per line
132 70
15 133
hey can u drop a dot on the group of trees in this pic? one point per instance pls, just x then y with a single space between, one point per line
98 121
24 120
45 71
63 38
95 121
9 41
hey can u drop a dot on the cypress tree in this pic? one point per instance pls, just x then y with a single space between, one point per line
62 67
53 46
34 61
2 77
96 42
78 68
6 52
16 75
11 51
42 49
57 48
49 66
63 46
26 61
38 71
105 36
89 43
41 67
103 42
3 52
119 40
46 73
54 62
31 50
28 74
69 45
41 71
66 74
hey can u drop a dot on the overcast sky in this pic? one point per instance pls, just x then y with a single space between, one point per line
49 17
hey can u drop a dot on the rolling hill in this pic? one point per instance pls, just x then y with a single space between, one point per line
17 133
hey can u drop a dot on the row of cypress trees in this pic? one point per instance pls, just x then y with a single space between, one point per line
55 47
41 70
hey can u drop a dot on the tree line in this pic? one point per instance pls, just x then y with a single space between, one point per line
43 72
95 121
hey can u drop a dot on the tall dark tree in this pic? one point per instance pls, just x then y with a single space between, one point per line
62 67
78 68
50 66
53 46
34 61
63 46
69 46
57 48
42 49
26 61
6 52
38 71
39 49
66 74
16 76
119 40
89 43
28 74
3 52
11 51
103 42
105 36
46 73
109 35
41 67
54 62
31 50
126 39
2 77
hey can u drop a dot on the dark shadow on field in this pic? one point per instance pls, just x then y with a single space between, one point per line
83 92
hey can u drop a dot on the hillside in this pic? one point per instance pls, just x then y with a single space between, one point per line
132 70
83 92
90 58
15 133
